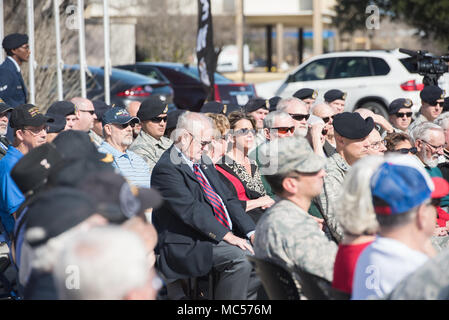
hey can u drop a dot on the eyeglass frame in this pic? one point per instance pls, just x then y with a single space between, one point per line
432 146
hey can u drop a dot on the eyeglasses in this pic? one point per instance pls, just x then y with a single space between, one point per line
405 150
299 117
158 119
435 202
284 130
432 146
125 125
326 119
36 130
203 143
244 132
402 114
92 112
376 145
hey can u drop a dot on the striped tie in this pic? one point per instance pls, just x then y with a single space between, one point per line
215 201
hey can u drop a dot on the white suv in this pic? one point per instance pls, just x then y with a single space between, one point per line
371 79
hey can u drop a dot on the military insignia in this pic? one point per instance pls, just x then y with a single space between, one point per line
108 158
443 94
267 104
45 164
34 111
1 100
225 107
408 103
113 105
343 97
166 108
314 94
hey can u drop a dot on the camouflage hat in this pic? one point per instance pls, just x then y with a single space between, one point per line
295 154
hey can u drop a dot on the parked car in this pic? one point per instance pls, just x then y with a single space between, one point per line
125 86
189 92
372 79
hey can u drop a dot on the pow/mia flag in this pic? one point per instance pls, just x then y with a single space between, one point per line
205 51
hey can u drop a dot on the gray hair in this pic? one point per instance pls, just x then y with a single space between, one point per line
354 210
108 261
192 122
422 131
270 119
443 120
285 103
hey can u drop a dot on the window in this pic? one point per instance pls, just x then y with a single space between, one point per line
350 67
316 70
380 67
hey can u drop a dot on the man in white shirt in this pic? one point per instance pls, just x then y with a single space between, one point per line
405 200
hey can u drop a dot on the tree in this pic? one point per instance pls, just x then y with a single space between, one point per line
430 18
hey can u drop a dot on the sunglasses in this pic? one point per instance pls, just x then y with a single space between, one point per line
284 130
125 125
402 114
244 131
405 150
158 119
326 119
299 117
92 112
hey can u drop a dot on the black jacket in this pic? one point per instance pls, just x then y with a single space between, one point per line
185 222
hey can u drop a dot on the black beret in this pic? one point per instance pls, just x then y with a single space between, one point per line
430 94
14 41
398 104
58 123
214 107
63 108
100 108
4 107
27 115
172 118
446 104
351 125
56 211
273 103
32 170
305 93
334 94
151 107
255 104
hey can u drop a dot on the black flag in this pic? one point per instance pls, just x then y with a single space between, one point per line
205 51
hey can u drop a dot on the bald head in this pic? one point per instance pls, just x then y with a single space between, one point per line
85 113
322 110
133 108
365 113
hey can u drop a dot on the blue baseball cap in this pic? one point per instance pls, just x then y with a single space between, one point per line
402 184
118 115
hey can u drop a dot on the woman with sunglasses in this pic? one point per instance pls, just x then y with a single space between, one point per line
238 171
400 142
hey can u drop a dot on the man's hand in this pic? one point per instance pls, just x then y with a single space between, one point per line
239 242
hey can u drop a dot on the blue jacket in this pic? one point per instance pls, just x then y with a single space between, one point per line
12 87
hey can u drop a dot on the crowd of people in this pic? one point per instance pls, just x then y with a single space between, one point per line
130 202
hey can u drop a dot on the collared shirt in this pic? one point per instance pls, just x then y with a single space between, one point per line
11 196
15 63
130 165
150 148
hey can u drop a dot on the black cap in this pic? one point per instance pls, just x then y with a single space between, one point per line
58 123
100 108
273 103
351 125
151 107
398 104
4 107
172 118
118 115
56 211
31 172
214 107
75 144
430 94
305 93
255 104
27 115
446 104
110 187
63 108
14 41
334 94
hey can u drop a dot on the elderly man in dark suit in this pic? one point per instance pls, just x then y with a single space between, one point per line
201 225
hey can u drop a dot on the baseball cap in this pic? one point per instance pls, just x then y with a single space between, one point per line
119 115
58 123
14 40
63 108
151 107
27 115
334 94
351 125
430 94
402 184
4 107
398 104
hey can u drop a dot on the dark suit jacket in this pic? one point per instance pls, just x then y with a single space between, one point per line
12 87
185 222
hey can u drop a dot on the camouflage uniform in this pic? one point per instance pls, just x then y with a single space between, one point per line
429 282
289 236
336 169
149 148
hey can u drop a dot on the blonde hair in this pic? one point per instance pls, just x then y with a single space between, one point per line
354 210
221 123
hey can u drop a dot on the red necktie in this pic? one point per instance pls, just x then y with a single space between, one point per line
214 200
